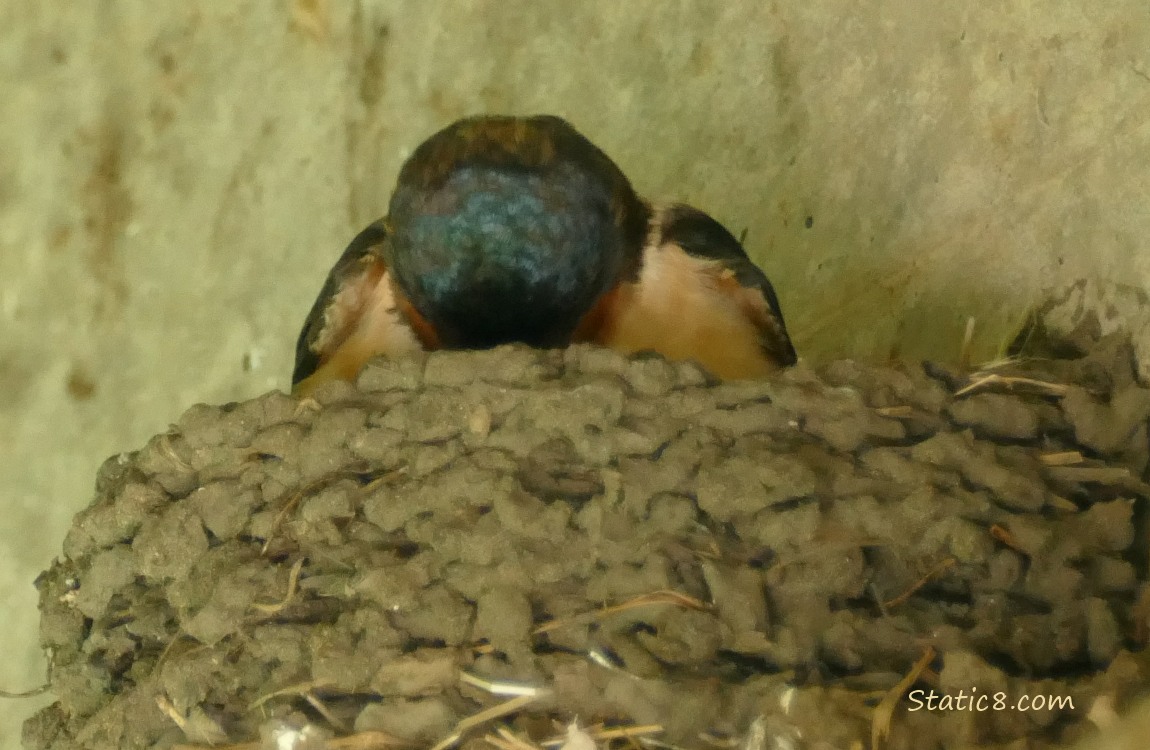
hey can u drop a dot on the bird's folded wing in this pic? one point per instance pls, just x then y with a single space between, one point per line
359 314
697 296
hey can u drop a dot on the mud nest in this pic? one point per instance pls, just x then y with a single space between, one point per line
571 534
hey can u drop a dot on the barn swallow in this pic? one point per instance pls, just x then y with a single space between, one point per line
519 229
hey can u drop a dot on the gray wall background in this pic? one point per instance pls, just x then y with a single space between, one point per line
176 179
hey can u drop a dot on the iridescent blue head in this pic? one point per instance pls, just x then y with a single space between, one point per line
510 229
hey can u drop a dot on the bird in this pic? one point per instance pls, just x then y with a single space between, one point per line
507 229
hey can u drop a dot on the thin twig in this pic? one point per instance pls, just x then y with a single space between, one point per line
638 730
321 707
1009 382
27 693
659 744
293 583
665 596
298 690
496 741
936 571
967 341
383 479
172 713
501 709
310 489
369 740
500 687
289 506
512 741
1061 458
470 722
884 711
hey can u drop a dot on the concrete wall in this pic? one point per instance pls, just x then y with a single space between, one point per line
176 179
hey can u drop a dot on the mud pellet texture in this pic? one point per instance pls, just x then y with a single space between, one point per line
637 541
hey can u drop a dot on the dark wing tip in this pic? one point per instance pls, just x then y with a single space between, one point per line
307 358
702 236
